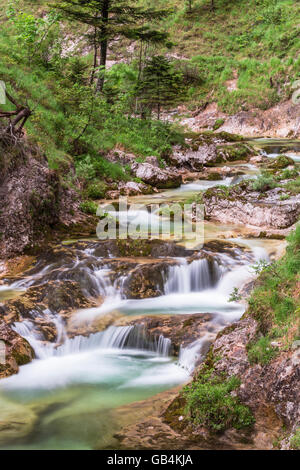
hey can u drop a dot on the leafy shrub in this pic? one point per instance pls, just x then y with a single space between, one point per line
287 173
88 207
293 186
96 190
264 182
211 403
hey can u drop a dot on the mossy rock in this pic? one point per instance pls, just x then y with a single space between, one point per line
210 137
232 153
228 137
214 176
218 123
282 161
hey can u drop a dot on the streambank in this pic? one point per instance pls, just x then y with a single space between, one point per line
90 373
281 121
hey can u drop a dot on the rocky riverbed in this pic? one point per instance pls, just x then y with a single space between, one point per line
104 325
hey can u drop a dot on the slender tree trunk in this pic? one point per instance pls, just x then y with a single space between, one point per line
139 74
103 44
212 4
95 56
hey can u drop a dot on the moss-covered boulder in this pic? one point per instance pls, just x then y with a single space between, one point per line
282 161
214 176
232 153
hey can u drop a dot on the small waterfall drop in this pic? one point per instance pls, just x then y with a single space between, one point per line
191 355
199 275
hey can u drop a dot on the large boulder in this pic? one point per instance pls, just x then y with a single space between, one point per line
157 177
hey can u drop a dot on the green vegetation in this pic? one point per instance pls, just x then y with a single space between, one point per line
256 48
89 207
293 186
160 85
73 125
295 441
264 182
96 190
275 304
261 352
287 174
281 162
210 402
159 56
218 124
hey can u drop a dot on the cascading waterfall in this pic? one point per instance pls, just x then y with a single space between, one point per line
117 337
194 277
123 337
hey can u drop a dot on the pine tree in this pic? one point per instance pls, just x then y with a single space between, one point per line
160 86
108 20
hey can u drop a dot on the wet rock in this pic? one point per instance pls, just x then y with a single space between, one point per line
40 304
145 281
17 351
182 330
155 176
16 421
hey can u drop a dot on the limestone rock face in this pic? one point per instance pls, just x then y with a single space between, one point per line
195 159
32 200
249 208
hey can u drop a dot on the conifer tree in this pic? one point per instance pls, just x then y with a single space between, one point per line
161 85
108 19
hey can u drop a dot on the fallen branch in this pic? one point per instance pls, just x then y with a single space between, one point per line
20 115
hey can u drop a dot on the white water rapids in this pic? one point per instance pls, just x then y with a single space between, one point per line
125 352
